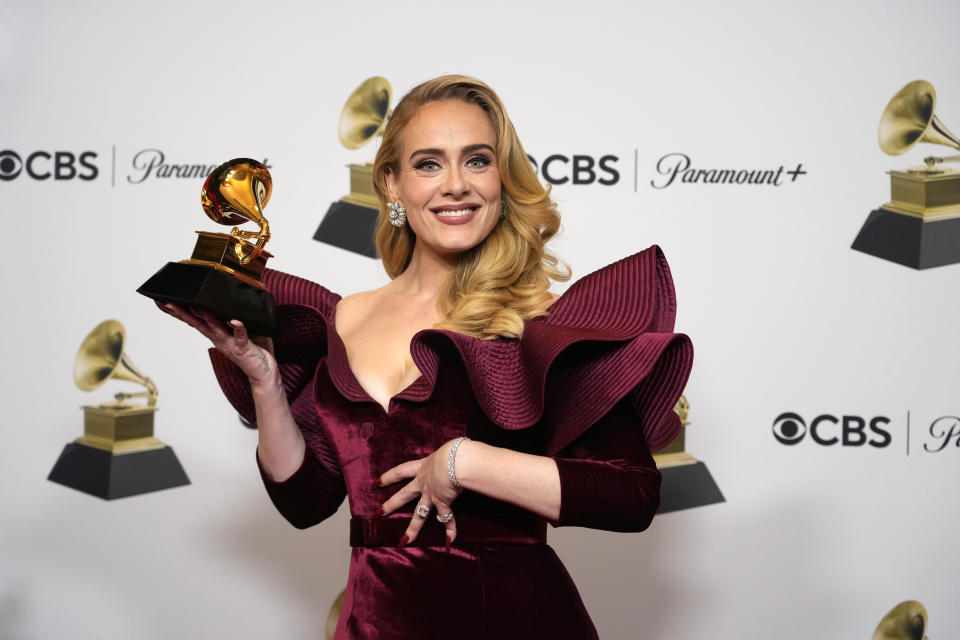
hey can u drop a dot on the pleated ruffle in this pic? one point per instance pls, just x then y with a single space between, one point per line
609 337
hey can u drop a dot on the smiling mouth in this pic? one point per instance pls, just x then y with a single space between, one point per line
456 213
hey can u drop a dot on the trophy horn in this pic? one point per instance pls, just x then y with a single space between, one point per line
235 192
906 621
910 118
366 113
101 357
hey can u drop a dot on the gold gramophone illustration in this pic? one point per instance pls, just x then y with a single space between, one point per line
117 455
687 482
920 226
350 222
906 621
223 274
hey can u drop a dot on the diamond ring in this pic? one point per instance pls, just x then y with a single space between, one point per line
422 510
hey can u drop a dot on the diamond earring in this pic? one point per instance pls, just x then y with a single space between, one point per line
398 215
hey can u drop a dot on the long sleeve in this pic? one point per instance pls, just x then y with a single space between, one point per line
312 494
608 479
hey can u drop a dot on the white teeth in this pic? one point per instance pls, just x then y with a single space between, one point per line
462 212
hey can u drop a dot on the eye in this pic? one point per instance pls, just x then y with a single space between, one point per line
478 162
427 165
789 428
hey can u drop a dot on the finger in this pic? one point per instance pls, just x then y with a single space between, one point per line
450 525
216 324
186 317
420 515
400 472
240 333
401 497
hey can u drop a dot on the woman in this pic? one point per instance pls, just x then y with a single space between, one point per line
462 406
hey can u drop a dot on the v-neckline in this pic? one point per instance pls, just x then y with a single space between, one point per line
407 393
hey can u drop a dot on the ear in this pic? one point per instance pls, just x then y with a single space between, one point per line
392 186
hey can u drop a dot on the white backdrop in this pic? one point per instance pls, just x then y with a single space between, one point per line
813 541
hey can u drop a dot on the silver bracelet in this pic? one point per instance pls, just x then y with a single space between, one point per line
452 461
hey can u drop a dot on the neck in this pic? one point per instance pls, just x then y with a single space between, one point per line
426 274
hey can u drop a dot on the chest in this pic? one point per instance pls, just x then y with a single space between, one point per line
377 344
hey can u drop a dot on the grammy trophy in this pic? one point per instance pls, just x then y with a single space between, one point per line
223 274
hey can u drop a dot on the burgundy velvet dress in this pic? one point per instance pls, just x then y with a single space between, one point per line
592 385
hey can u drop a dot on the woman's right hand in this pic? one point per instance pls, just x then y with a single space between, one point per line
254 355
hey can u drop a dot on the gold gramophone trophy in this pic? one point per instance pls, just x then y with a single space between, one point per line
920 226
117 455
687 482
350 222
906 621
223 274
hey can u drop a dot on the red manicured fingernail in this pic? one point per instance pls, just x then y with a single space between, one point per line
449 542
376 484
379 512
403 542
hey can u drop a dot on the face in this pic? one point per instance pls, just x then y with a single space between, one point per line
448 181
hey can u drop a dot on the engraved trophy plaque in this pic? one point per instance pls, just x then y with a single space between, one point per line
223 274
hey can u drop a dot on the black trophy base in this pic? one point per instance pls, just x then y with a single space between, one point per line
909 240
110 476
687 486
351 227
192 285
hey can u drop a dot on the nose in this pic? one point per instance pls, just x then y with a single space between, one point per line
455 185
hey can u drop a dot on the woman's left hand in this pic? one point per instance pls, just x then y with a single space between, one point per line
431 483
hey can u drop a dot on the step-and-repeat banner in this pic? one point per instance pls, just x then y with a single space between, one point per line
817 264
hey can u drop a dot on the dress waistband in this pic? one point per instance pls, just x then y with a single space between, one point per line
471 529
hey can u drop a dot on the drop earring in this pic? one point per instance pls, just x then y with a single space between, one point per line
398 215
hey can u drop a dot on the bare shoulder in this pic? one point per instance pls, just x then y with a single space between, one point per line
353 308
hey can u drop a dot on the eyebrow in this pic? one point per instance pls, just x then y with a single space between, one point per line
439 152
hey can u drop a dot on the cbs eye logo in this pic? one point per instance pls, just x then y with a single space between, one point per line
41 165
789 428
827 430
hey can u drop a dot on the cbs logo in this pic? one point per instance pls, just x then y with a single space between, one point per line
578 169
828 430
42 165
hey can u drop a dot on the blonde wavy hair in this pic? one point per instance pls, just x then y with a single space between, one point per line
504 280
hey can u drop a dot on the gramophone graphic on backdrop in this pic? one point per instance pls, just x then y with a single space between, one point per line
117 455
906 621
350 222
920 226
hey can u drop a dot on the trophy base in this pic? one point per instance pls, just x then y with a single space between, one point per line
686 486
349 226
110 476
909 240
210 289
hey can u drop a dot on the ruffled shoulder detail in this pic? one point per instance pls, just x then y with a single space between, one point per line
302 308
609 337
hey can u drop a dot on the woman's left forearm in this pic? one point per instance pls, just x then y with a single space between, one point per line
527 481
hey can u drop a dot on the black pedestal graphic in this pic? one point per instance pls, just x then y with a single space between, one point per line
109 476
908 240
192 285
687 486
349 226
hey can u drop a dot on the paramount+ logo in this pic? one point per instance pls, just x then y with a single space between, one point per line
829 430
46 165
